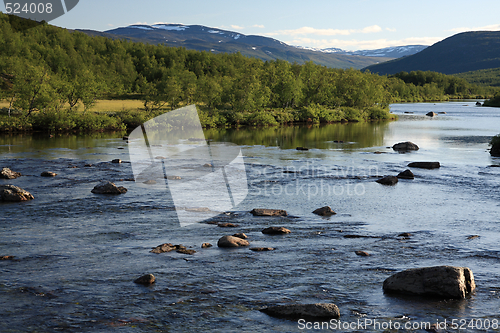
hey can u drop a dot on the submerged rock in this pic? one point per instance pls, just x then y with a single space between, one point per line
405 146
438 281
146 280
240 235
431 114
268 212
407 174
6 257
299 311
206 245
362 253
167 247
302 148
324 211
425 165
116 160
231 241
186 251
108 188
14 193
276 231
262 249
48 174
388 180
7 173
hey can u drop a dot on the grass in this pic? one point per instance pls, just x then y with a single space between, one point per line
103 106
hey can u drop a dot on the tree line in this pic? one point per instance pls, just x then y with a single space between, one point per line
47 68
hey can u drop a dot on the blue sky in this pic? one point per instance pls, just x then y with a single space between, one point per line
346 24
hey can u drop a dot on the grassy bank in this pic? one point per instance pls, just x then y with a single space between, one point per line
112 115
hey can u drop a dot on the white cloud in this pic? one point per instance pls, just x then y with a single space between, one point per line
492 27
236 27
354 44
391 30
325 32
258 26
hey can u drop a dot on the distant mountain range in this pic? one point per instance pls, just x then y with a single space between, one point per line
202 38
463 52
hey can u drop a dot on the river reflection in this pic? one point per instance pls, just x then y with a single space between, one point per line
328 136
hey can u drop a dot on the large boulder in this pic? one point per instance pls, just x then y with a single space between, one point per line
231 241
108 188
268 212
425 165
407 174
14 193
324 211
7 173
300 311
438 281
405 146
388 180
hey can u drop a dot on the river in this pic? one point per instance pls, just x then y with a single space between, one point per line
76 254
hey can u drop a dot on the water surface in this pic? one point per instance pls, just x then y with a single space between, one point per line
77 253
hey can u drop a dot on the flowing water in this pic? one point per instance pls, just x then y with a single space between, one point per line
76 254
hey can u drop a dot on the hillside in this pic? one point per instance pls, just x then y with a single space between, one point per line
201 38
464 52
484 77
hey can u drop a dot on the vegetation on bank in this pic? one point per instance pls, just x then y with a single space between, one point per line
495 101
495 146
46 73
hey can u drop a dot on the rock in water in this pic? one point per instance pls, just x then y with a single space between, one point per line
48 174
268 212
438 281
324 211
302 148
405 146
14 193
7 173
388 180
276 231
431 114
299 311
146 280
231 241
425 165
407 174
108 188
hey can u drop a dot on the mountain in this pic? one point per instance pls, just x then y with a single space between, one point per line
202 38
388 52
463 52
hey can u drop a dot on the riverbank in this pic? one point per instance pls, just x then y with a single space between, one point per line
114 119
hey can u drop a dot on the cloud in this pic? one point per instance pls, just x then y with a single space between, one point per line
236 27
391 30
355 44
325 32
492 27
258 26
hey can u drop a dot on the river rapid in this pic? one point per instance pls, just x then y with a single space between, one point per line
76 254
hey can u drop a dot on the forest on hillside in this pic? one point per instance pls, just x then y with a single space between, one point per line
46 71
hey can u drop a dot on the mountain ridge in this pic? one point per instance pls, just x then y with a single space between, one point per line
463 52
202 38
